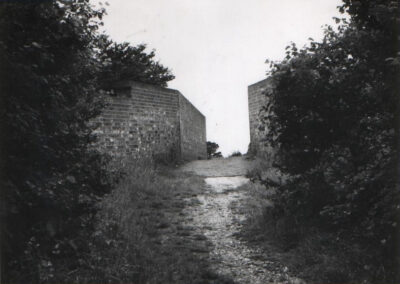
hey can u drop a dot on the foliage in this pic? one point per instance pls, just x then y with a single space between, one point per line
51 178
236 154
53 64
212 148
122 61
333 118
217 155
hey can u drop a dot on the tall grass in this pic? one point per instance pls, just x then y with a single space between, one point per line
135 240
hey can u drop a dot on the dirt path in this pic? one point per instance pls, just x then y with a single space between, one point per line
217 217
235 166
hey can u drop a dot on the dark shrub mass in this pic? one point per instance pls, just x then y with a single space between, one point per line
334 117
52 64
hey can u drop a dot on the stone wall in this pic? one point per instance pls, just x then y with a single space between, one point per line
143 120
258 99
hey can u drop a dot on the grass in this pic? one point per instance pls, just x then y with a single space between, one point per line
138 238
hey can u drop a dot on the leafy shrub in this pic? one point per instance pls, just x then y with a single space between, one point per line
51 72
333 116
51 178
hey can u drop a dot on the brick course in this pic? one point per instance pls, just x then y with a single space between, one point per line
193 131
144 120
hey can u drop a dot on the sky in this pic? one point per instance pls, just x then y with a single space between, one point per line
216 48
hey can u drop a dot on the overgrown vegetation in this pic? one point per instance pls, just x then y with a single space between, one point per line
52 66
136 237
333 119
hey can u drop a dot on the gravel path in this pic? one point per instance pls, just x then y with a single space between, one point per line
235 166
219 215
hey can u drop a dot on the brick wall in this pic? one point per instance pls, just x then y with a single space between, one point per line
193 131
258 99
143 120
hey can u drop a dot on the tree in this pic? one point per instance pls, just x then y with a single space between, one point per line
334 120
49 91
121 61
212 148
54 66
53 69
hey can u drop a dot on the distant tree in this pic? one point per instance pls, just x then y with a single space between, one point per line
236 154
217 155
212 148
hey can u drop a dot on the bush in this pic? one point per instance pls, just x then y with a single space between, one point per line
52 178
52 65
236 154
333 116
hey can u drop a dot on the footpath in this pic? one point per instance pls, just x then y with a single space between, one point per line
214 210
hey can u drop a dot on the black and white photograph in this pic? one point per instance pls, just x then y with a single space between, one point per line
199 142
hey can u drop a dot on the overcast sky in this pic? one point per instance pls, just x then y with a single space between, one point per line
216 48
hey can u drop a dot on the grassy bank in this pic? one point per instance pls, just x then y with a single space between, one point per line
139 236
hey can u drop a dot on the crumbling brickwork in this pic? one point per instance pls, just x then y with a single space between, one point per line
144 120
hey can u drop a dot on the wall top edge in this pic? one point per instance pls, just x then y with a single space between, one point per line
263 82
195 108
136 84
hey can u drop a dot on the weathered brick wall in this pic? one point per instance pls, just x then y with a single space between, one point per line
144 120
258 99
141 120
193 131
